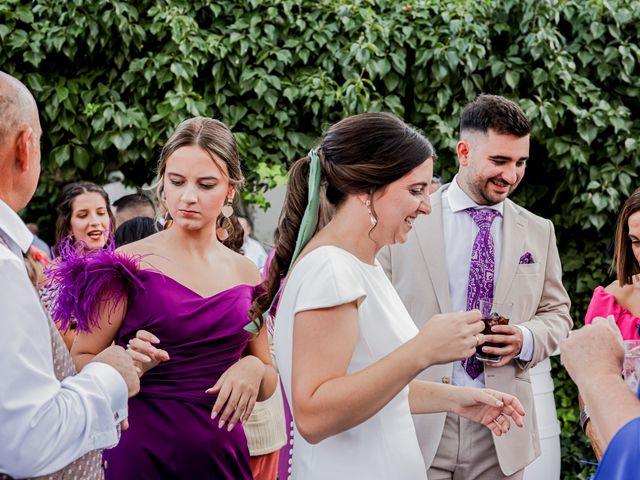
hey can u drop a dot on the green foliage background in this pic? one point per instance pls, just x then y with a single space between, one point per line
113 78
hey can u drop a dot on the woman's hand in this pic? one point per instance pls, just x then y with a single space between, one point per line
237 391
451 336
145 356
491 408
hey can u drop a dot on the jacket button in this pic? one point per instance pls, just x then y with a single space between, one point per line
446 380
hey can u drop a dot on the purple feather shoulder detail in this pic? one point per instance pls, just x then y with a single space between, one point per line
82 283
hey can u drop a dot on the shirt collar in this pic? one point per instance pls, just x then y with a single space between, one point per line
13 226
459 200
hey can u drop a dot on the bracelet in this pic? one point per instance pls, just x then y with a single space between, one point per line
584 417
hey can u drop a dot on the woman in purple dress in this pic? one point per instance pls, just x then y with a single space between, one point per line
180 300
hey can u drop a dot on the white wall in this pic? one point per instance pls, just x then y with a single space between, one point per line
265 222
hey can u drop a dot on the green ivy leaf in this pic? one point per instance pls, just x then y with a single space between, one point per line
587 132
122 140
4 31
512 78
80 157
61 154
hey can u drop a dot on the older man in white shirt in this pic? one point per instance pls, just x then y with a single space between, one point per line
46 424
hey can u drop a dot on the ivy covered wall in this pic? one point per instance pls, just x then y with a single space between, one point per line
113 78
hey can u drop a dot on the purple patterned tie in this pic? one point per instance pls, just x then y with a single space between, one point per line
481 272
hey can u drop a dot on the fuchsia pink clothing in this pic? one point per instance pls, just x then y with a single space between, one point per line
604 304
171 434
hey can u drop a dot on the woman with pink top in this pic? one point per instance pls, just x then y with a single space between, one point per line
622 298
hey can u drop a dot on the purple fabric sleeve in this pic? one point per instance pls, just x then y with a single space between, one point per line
83 283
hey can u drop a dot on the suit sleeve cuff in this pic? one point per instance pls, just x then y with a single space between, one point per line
113 386
526 352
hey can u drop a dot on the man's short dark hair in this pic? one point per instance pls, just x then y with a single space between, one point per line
493 112
135 229
135 200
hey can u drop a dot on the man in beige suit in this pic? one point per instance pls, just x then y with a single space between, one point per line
433 273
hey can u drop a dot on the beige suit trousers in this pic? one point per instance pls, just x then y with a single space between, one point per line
467 452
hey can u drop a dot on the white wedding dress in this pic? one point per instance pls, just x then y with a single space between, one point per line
385 446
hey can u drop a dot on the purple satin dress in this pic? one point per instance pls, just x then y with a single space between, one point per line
171 434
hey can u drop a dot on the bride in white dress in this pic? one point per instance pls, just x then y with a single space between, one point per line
345 345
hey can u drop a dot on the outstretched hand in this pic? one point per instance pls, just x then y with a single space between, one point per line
237 390
491 408
145 356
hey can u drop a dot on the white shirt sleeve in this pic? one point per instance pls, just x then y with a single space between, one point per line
46 424
526 352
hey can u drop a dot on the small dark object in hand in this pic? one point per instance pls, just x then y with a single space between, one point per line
494 319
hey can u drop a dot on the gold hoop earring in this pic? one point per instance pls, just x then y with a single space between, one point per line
222 232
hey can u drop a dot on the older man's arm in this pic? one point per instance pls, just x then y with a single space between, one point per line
593 357
46 424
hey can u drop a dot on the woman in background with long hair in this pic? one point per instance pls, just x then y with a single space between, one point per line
84 222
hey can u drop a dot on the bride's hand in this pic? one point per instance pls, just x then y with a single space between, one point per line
448 337
237 390
491 408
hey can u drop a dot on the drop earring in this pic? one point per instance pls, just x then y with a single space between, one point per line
372 219
227 209
222 232
168 221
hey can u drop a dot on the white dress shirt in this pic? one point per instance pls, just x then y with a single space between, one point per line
459 234
44 424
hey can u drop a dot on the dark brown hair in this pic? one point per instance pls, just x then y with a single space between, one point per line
215 138
64 208
360 154
493 112
624 261
134 200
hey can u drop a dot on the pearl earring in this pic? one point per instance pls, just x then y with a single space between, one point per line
372 219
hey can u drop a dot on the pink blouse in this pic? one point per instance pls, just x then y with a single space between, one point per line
603 304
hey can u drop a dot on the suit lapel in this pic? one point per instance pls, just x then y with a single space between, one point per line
430 236
513 236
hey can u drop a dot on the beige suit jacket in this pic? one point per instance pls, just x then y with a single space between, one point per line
418 271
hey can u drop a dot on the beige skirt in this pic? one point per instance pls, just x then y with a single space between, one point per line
265 429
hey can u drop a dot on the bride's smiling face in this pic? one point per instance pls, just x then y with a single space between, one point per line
399 204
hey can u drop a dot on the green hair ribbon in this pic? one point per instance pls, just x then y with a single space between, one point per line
308 224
